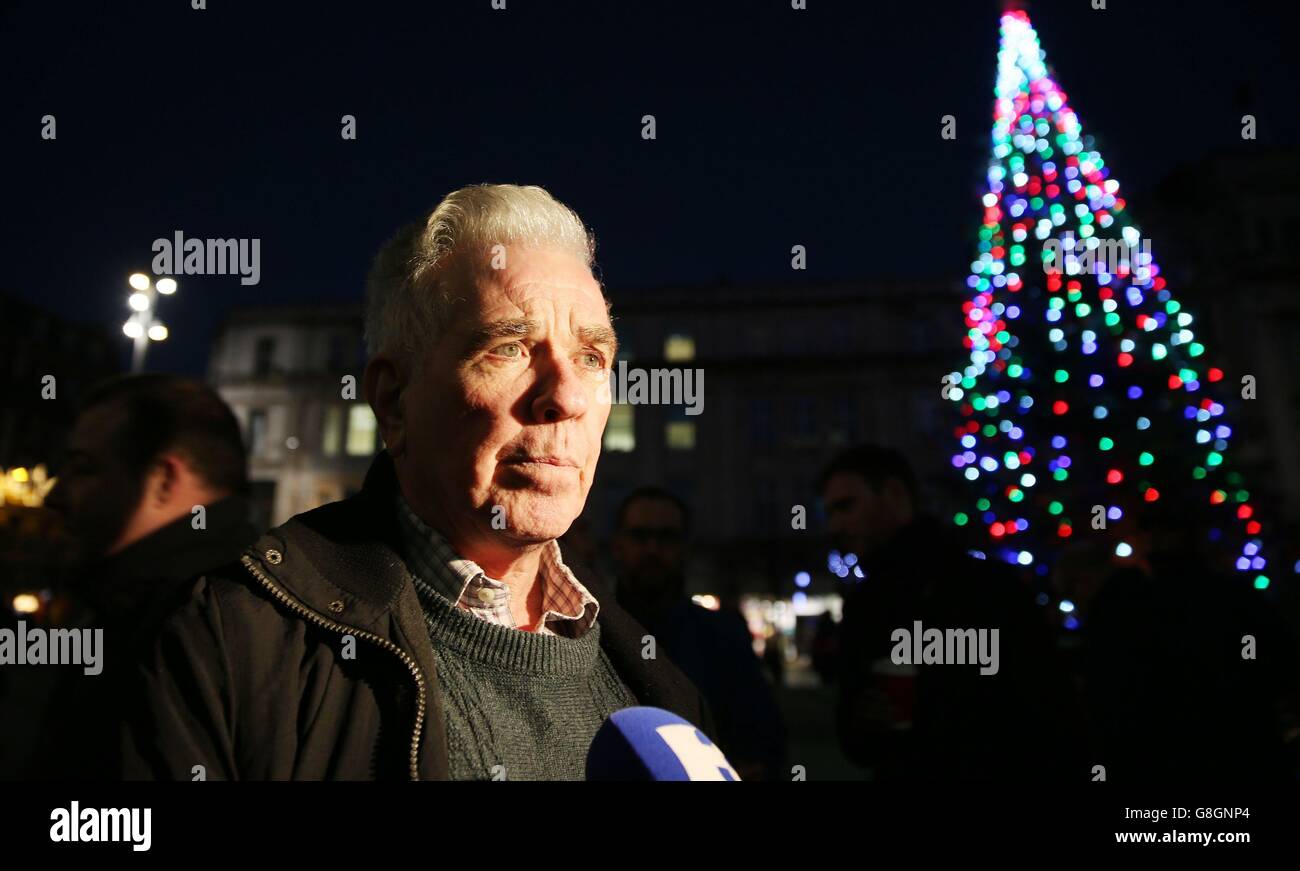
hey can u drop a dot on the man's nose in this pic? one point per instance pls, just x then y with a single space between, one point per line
561 393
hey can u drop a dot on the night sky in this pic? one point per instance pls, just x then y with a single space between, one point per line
775 127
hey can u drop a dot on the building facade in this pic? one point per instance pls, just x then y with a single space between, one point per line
292 376
791 375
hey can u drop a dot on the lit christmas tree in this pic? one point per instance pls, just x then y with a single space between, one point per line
1086 384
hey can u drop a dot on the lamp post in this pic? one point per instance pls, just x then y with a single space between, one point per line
142 327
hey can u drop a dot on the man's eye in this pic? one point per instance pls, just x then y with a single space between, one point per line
594 360
511 350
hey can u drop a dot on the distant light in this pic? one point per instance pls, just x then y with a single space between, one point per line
1066 606
1071 622
1024 557
291 443
19 474
710 602
1123 549
157 333
166 286
857 572
801 579
138 301
139 281
800 599
26 603
850 559
133 329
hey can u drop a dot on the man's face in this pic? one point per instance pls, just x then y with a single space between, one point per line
504 417
96 494
860 517
650 549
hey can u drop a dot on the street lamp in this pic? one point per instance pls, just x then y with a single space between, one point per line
142 327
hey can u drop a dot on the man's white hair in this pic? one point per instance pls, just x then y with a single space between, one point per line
408 290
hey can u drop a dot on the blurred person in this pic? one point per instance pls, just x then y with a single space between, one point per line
936 722
1169 694
713 648
774 656
825 648
152 495
431 624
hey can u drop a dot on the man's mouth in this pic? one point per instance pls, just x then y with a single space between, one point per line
528 460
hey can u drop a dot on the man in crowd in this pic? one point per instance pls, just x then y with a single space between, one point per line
151 490
429 627
713 648
914 721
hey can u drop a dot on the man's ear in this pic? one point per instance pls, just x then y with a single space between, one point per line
162 480
384 383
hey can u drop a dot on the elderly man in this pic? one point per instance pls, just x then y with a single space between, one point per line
429 627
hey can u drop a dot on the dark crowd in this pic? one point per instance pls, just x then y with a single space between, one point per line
211 663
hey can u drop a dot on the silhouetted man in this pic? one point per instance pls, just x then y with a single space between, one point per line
1171 694
910 721
713 648
151 490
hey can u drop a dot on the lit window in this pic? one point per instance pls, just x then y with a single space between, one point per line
361 430
680 435
330 428
678 347
620 432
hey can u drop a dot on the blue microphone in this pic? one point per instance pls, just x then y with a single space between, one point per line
653 744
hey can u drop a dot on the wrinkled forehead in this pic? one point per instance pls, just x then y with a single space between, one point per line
525 281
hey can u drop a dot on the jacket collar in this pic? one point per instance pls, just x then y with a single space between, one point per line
342 559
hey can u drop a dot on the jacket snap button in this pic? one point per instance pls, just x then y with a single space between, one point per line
337 606
273 557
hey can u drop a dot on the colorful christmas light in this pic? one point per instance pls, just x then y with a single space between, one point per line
1076 341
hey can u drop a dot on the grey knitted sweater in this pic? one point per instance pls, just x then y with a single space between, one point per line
519 705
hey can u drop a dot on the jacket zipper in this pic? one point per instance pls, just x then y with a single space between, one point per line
342 628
